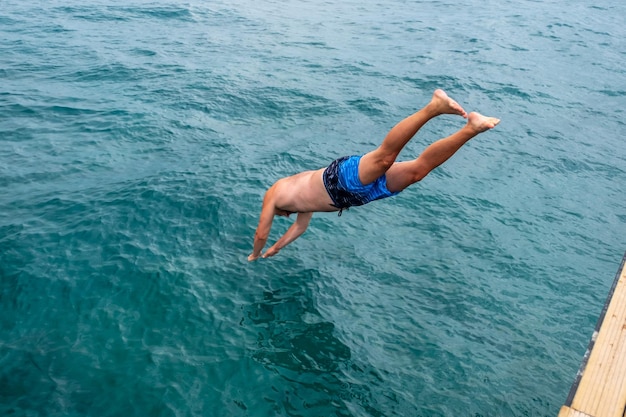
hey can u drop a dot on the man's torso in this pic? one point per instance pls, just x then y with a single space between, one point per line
303 193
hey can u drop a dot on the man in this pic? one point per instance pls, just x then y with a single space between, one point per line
357 180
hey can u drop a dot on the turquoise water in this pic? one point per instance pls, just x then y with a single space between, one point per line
138 140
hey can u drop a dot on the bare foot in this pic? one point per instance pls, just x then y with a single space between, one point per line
442 104
479 123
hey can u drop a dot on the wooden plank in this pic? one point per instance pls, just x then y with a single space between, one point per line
613 400
570 412
600 386
574 389
612 389
615 403
598 390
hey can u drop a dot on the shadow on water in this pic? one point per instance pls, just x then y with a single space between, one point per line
317 373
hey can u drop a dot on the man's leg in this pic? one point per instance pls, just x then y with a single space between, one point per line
376 163
403 174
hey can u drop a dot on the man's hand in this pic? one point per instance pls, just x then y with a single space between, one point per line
296 229
271 252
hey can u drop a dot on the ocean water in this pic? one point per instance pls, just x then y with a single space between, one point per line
138 139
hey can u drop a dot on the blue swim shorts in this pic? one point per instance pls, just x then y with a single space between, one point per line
342 183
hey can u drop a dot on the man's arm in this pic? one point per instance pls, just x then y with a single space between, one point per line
265 224
297 228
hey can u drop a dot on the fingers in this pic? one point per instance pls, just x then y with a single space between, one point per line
270 252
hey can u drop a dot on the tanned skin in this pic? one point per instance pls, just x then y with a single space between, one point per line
304 193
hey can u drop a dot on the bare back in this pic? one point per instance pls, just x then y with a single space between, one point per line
303 193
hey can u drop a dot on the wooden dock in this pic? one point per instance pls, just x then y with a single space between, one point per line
600 386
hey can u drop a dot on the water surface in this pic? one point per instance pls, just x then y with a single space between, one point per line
138 141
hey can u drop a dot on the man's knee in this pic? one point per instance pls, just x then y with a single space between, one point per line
415 171
385 157
419 173
386 162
